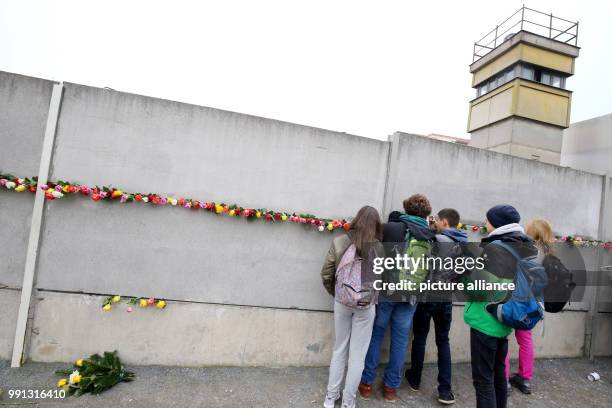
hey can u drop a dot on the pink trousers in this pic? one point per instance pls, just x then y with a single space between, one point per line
525 368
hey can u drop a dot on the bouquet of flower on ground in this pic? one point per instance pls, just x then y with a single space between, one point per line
95 374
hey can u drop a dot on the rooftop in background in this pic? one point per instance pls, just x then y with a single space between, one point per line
452 139
527 19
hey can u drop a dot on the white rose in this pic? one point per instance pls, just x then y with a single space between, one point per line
10 184
57 194
74 374
145 199
321 228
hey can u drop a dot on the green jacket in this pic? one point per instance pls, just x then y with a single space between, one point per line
475 315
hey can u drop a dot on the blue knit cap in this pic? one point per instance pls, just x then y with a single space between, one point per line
503 214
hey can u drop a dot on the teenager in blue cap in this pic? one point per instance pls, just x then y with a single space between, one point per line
488 336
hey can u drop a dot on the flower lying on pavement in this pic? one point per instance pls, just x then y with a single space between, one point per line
95 374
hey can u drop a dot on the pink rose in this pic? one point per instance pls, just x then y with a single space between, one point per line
3 182
151 301
129 309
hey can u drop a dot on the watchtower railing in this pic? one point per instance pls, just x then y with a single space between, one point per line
527 19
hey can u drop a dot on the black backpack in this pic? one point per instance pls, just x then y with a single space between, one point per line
560 284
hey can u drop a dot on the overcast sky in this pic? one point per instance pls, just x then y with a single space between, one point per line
367 68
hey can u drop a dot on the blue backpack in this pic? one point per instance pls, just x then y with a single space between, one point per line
525 308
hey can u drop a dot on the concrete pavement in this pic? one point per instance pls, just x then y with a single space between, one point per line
558 383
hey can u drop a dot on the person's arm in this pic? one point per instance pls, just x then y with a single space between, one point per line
328 272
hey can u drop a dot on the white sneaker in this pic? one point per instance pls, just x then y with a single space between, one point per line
330 400
348 404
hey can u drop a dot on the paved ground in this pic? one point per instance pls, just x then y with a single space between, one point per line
559 383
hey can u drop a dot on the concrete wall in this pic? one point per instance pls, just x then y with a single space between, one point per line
197 334
472 180
238 294
147 144
24 103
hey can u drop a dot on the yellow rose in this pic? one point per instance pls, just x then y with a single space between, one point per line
143 303
330 226
20 188
161 304
258 214
116 298
117 193
284 217
232 213
107 307
79 363
218 208
66 188
62 382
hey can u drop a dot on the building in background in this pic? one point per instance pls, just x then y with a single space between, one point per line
587 145
452 139
519 72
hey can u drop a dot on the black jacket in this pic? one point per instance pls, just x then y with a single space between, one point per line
394 230
498 260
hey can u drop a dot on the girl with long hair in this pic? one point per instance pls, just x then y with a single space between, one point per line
354 310
541 232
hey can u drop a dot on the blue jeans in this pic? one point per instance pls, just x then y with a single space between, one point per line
442 314
399 316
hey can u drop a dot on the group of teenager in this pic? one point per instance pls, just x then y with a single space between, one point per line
359 331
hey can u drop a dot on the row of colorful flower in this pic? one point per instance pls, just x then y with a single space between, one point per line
570 239
55 190
107 305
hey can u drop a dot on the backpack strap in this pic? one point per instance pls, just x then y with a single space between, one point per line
508 248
